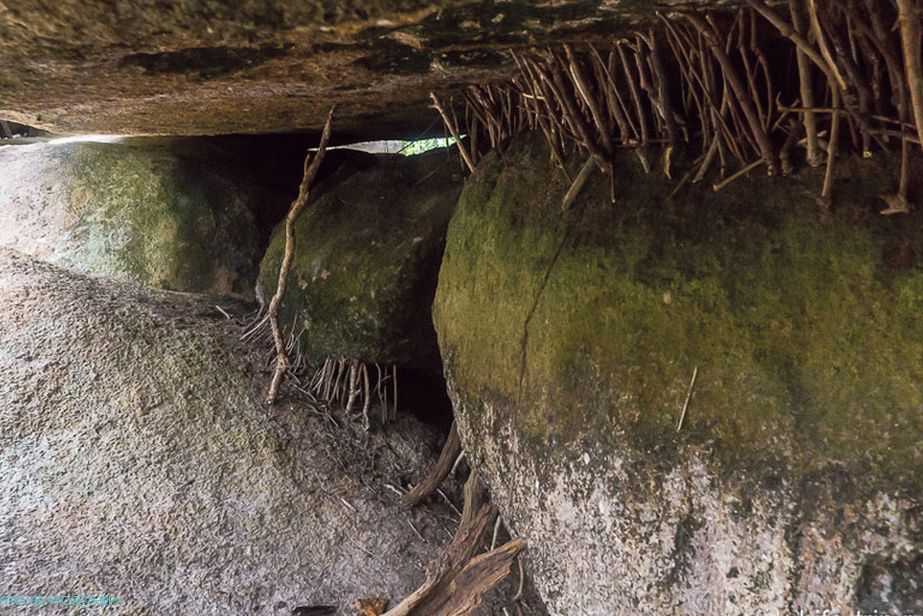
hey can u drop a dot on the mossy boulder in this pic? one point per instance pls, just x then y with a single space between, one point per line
164 216
368 249
570 340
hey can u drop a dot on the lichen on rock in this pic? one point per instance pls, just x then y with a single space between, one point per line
569 343
137 460
368 249
148 213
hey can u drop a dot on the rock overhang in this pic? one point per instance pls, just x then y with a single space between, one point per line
201 67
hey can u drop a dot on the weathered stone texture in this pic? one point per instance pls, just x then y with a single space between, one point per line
569 342
137 460
147 212
200 67
368 249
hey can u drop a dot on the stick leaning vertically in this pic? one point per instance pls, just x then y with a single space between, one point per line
909 19
311 166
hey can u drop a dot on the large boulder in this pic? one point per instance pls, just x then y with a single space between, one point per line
570 341
137 460
368 249
152 212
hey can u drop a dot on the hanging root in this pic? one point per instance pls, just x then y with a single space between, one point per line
366 395
347 381
452 126
578 184
701 85
311 166
909 18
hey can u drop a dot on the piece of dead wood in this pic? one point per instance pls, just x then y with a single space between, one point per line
373 606
682 416
747 169
457 581
574 191
474 498
311 166
314 610
909 19
481 575
897 204
437 474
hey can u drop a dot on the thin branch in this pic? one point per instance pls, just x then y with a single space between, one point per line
453 129
832 150
732 78
311 166
909 19
682 417
584 174
803 45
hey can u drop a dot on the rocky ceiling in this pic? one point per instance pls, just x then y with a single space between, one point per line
193 67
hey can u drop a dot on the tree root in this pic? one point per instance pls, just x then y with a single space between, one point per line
437 474
724 100
348 382
311 166
453 129
909 18
456 583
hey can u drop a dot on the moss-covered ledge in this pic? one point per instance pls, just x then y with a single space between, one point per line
806 327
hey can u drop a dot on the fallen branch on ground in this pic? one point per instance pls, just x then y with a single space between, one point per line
437 474
456 583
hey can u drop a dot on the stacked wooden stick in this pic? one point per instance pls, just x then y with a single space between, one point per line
732 91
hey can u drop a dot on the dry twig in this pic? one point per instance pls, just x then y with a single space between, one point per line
909 19
682 417
311 166
453 128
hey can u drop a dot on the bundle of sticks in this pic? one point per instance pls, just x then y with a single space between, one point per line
351 383
734 91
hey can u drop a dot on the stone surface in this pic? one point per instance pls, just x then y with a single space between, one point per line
570 341
136 460
194 67
368 249
168 217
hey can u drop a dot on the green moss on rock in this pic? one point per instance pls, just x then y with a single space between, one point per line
367 257
147 213
808 339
